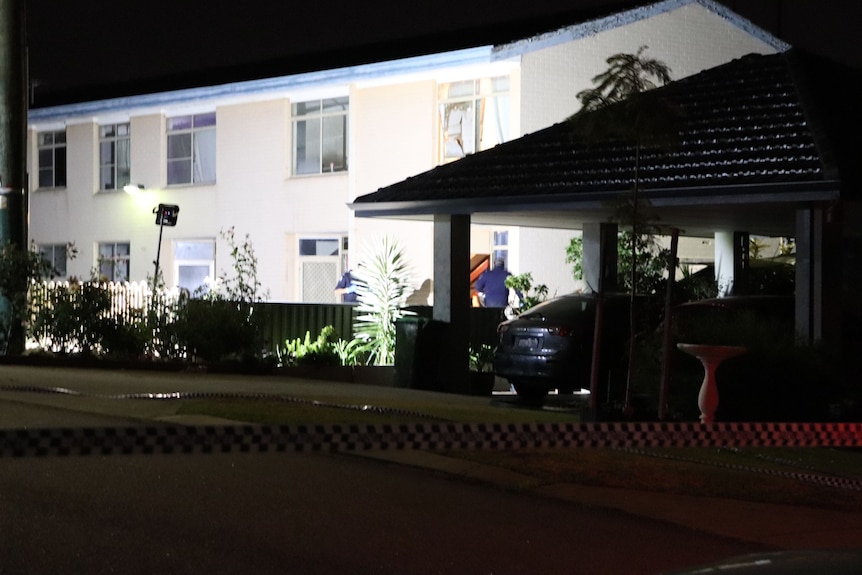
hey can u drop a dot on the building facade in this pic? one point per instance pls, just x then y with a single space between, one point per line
278 159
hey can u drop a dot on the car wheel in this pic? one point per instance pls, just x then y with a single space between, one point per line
530 391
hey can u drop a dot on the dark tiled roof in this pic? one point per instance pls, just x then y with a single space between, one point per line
756 122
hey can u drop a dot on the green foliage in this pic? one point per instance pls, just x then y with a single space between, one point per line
652 262
77 318
481 358
320 351
221 323
382 284
621 104
530 295
18 269
575 256
327 349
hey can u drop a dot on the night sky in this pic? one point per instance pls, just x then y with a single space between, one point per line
82 45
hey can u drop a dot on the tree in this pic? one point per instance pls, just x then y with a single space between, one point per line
622 106
19 267
652 261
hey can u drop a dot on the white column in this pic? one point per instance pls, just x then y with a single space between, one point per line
724 262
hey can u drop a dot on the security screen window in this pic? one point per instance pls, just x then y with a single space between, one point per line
192 149
114 262
319 264
474 116
195 264
114 156
52 159
55 256
320 136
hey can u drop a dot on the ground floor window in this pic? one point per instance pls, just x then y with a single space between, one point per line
322 260
194 264
113 261
500 247
55 256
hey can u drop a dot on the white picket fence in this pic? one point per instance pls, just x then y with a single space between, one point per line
129 302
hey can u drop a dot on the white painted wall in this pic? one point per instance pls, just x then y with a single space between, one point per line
393 134
689 39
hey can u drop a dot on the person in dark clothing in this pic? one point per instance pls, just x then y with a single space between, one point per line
346 288
491 286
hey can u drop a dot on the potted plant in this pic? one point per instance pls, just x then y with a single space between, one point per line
481 369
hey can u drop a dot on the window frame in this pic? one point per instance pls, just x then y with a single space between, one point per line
198 168
57 252
113 260
472 96
115 140
500 245
338 258
56 151
327 110
179 262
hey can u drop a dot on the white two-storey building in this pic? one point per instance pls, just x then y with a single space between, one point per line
279 159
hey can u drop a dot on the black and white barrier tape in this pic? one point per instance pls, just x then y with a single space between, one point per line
207 395
428 434
174 439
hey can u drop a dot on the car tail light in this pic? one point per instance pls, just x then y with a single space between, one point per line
560 330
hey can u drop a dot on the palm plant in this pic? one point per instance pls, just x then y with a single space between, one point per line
621 107
382 282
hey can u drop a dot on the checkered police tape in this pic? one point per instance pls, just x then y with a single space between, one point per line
163 396
429 436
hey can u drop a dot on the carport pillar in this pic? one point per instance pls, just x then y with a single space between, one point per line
600 256
731 261
818 281
600 275
452 298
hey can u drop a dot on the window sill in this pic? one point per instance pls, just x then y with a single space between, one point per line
319 175
190 185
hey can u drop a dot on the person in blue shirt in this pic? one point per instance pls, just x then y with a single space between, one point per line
346 288
491 285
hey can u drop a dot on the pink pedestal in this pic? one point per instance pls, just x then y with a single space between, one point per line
710 357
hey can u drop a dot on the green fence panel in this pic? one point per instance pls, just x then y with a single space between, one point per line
283 321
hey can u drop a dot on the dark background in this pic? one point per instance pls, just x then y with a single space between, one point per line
83 49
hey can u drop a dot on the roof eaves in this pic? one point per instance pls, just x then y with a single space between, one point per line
624 18
739 194
251 88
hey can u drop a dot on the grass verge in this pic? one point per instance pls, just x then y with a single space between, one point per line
769 475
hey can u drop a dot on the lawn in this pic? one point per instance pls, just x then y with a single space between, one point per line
799 476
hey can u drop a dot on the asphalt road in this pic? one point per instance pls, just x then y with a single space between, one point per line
310 514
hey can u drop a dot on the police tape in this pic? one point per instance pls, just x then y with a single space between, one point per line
425 433
428 436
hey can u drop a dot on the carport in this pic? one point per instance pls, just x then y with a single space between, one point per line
768 146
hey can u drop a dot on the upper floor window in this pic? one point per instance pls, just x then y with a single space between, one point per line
52 159
114 156
114 261
320 136
192 149
474 116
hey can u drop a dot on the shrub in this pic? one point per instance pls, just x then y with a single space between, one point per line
382 282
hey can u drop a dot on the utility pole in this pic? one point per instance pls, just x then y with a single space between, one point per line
13 141
13 123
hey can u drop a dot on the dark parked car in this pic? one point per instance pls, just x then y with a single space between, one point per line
550 346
